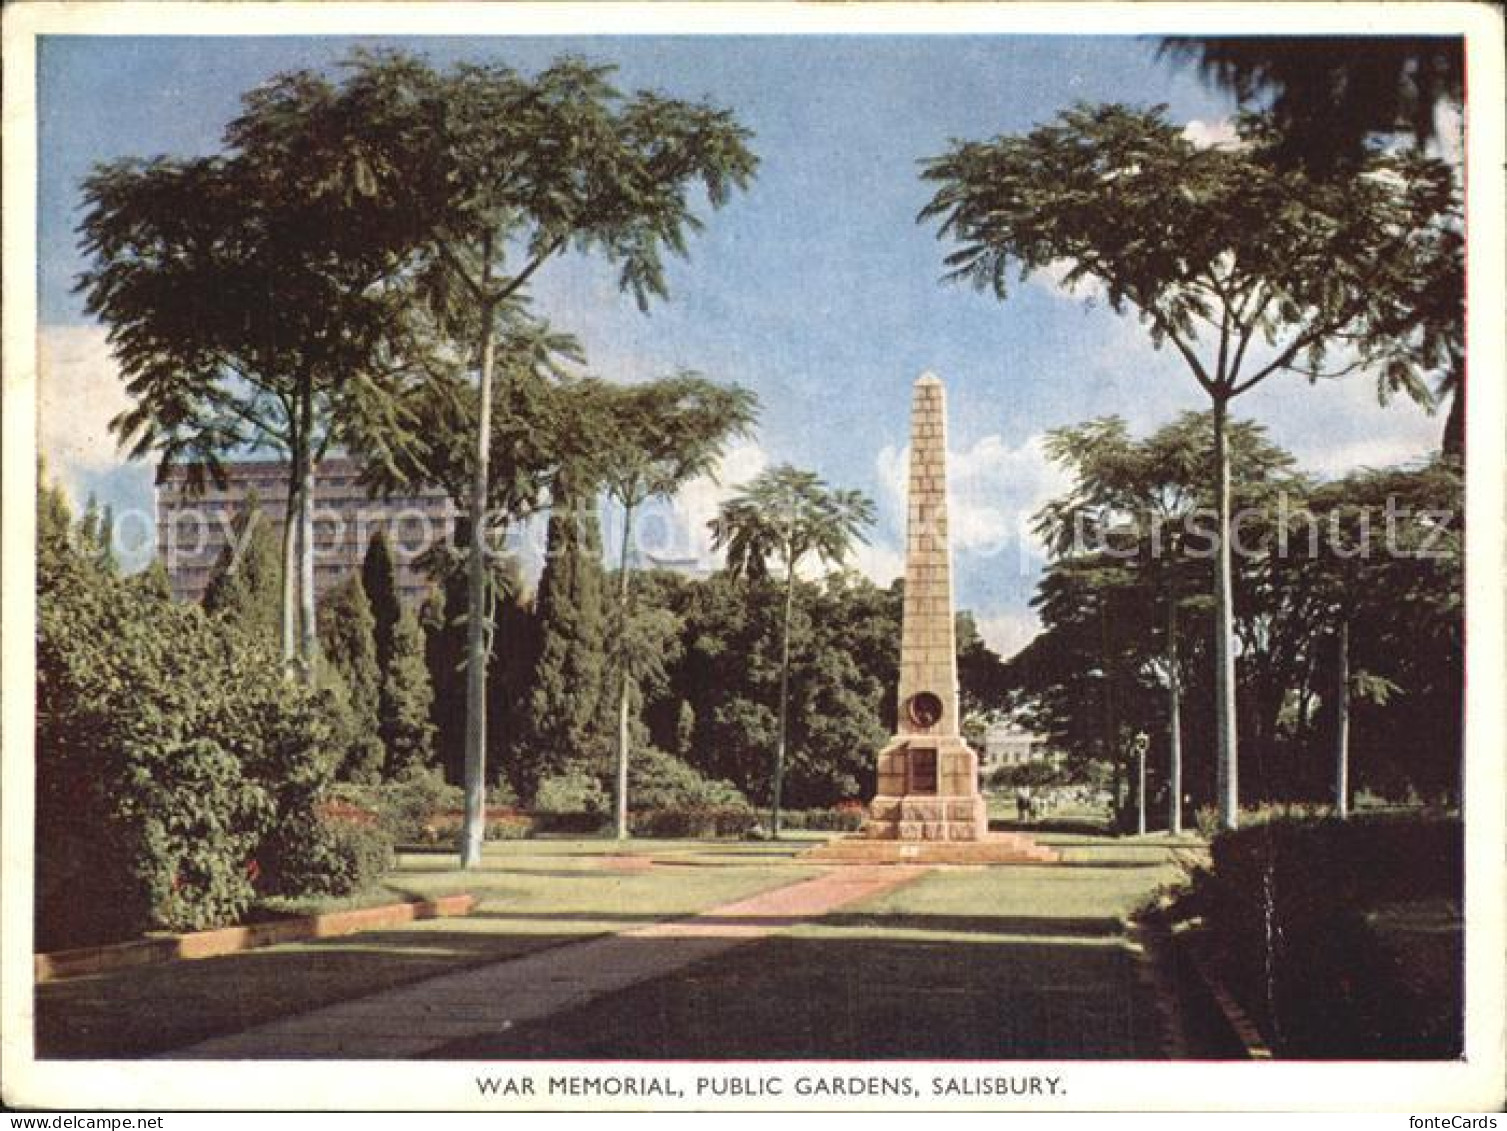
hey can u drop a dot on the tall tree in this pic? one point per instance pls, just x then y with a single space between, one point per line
345 630
1218 250
379 577
407 696
785 516
1329 95
666 433
506 173
1384 548
1136 498
244 297
562 724
510 670
246 584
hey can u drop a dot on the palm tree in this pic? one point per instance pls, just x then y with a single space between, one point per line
667 433
785 515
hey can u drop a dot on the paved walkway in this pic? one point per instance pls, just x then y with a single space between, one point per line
418 1018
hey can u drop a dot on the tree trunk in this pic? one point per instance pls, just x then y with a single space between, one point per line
620 822
291 514
1454 423
1226 748
473 831
780 746
308 646
1174 726
1342 722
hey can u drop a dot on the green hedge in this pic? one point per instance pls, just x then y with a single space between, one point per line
840 819
699 821
1286 902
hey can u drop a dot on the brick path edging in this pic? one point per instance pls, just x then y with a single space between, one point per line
1239 1021
229 940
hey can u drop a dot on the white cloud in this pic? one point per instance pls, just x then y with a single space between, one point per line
1010 631
1218 134
1333 427
881 561
993 489
79 390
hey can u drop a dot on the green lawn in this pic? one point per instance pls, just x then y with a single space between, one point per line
991 963
979 962
533 894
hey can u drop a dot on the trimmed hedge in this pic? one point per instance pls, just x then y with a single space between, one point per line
1286 905
841 819
698 821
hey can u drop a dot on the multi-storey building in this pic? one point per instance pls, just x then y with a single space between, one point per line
194 530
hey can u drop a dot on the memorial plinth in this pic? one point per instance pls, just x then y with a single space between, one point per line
928 807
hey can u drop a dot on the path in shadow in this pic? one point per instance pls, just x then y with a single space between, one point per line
795 997
137 1012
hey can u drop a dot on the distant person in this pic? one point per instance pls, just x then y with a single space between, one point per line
1022 804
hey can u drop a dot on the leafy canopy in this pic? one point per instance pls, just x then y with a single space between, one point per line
1247 268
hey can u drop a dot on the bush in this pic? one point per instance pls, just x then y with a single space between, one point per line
1286 900
323 855
657 780
502 795
409 804
839 819
574 793
515 827
168 747
699 821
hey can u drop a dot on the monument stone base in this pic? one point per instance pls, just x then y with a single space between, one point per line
928 790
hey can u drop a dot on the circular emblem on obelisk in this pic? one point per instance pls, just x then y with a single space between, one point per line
924 709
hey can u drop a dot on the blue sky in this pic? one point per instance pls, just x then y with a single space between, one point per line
816 288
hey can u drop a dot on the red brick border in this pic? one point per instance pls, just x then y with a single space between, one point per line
229 940
1235 1016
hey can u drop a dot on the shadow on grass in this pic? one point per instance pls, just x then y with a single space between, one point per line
127 1014
1082 826
793 997
1085 926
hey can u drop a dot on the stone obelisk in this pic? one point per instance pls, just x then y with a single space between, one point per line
928 776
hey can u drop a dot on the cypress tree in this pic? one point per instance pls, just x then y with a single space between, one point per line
246 585
510 668
407 696
345 640
444 656
379 578
562 723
